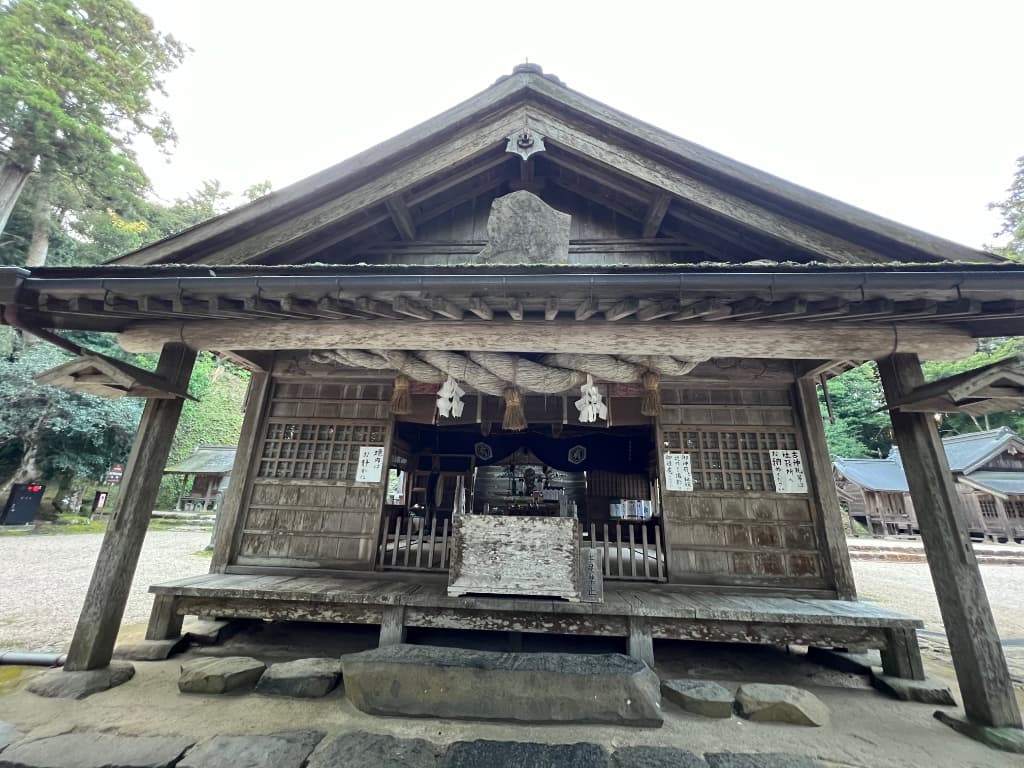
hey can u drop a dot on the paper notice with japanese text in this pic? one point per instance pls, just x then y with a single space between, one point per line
678 476
788 472
371 464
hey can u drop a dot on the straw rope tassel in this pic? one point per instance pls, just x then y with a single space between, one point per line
401 402
515 419
651 403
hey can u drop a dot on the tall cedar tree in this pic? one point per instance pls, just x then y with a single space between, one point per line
77 81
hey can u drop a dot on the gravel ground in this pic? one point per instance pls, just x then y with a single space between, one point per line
43 580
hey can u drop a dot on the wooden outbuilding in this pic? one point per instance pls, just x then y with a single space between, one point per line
533 280
988 470
205 476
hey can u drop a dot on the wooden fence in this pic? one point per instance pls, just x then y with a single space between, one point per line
631 550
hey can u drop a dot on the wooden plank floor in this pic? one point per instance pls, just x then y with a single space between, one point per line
621 599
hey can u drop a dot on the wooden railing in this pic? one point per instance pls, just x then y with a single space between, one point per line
631 550
414 544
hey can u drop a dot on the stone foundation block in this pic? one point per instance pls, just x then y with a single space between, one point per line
150 650
304 679
475 754
371 750
421 681
923 691
96 750
655 757
781 704
220 675
278 750
58 684
700 697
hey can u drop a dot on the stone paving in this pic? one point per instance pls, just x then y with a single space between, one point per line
358 749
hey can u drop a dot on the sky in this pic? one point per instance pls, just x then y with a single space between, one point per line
908 109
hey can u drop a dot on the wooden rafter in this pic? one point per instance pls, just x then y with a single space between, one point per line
401 217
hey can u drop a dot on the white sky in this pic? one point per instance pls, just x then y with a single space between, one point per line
908 109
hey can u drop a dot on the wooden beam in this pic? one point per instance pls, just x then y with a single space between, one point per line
515 309
338 309
406 306
655 214
227 532
93 643
657 309
446 308
586 309
706 309
376 308
984 680
551 308
480 308
779 310
623 309
249 359
829 515
401 217
701 341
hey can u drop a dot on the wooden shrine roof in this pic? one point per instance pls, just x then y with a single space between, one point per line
529 131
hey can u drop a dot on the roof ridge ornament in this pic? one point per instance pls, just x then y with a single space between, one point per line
525 143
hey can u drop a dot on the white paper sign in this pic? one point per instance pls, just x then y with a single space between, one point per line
788 472
678 476
371 464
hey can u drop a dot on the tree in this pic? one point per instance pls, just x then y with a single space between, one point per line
77 79
51 433
1012 210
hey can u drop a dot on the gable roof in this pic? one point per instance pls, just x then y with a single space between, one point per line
1000 484
965 453
665 183
205 460
969 451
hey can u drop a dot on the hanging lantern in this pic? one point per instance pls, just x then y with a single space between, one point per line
590 404
401 402
449 399
515 418
651 404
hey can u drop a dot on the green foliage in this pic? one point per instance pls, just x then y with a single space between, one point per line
215 420
76 92
859 429
76 435
1012 210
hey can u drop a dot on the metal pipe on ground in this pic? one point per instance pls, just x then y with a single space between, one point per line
32 659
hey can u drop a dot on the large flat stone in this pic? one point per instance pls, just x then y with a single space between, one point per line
360 749
95 750
423 681
759 760
278 750
304 679
58 684
854 662
1004 739
150 650
209 631
923 691
220 675
701 697
781 704
523 754
523 229
655 757
8 735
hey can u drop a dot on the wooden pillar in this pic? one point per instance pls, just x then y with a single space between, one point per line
977 654
231 514
100 620
823 489
641 641
392 625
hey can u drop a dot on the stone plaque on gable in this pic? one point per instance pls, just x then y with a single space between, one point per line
523 229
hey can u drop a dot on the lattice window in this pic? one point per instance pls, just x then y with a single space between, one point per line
312 450
988 507
729 461
1014 508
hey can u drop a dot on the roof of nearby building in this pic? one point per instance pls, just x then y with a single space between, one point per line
965 453
968 452
205 460
874 474
998 483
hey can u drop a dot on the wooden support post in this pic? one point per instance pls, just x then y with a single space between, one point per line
231 516
823 489
901 656
981 671
641 642
100 620
164 620
392 625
